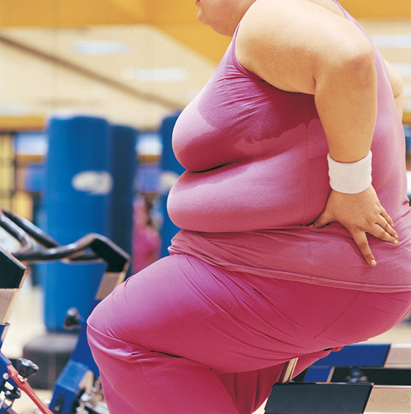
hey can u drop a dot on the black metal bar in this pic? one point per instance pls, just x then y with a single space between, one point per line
17 233
27 226
92 247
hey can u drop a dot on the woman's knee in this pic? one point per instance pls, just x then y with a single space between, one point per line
99 335
96 320
96 333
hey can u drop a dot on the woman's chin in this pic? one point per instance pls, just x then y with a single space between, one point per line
201 18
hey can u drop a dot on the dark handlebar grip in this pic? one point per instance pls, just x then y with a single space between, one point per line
25 367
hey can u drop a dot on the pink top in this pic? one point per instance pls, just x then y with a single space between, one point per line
257 174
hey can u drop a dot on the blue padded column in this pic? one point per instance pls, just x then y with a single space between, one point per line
124 165
77 195
171 168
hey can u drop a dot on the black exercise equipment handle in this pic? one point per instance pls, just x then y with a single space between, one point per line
33 231
92 247
26 243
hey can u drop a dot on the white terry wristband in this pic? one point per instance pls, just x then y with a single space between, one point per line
350 177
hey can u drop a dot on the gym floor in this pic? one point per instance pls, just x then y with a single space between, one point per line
26 323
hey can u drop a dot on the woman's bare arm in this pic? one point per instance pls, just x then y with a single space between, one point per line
397 87
301 46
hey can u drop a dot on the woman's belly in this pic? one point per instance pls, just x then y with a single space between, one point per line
267 193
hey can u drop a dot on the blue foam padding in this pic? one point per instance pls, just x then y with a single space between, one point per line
78 186
169 163
317 374
369 355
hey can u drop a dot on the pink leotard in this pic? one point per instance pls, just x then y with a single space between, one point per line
257 175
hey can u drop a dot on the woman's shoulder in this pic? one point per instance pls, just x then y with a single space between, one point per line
287 16
282 40
293 9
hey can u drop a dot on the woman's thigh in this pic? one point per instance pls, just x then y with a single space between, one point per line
230 322
371 314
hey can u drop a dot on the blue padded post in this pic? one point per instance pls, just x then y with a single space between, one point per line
123 167
78 187
169 165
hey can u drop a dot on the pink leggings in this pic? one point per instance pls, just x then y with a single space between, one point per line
182 337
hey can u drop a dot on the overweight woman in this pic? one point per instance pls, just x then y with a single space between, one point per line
296 229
